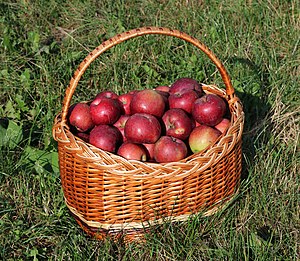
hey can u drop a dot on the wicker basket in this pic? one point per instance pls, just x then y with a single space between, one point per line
111 196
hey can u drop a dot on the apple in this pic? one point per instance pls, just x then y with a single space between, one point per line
209 109
194 123
183 84
142 128
169 149
133 91
80 117
133 151
150 150
202 137
107 94
105 137
148 101
197 124
105 111
165 96
183 100
223 125
120 124
177 123
163 88
125 100
83 135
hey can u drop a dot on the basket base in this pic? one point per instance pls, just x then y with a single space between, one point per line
138 234
127 236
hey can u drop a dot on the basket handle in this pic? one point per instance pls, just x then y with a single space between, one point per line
132 34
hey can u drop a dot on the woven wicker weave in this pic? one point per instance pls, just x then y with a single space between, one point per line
109 195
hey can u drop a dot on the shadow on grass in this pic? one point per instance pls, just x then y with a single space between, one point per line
256 109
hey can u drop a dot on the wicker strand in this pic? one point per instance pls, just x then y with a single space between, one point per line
149 223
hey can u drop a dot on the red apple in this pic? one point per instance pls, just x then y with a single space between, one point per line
223 125
83 135
177 123
125 100
142 128
164 94
163 88
105 137
120 124
80 117
183 100
184 84
169 149
150 150
209 109
107 94
202 137
105 110
133 91
197 124
148 101
133 151
194 123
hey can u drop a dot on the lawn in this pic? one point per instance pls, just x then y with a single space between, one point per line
41 45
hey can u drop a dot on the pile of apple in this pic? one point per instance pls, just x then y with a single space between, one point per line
164 124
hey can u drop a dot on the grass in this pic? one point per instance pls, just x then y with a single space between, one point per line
42 43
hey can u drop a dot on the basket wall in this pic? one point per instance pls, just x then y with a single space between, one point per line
122 201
